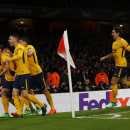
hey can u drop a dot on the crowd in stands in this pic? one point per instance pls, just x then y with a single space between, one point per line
86 50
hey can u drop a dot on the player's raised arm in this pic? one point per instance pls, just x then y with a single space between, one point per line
106 57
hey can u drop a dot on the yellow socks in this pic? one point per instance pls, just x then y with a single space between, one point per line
5 104
17 104
49 99
35 100
36 105
27 103
128 83
114 92
22 101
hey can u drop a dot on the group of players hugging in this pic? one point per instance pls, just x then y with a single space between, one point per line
22 74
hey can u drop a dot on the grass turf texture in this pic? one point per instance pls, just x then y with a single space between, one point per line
64 121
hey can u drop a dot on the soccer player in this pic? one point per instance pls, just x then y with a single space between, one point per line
9 71
22 79
37 78
119 48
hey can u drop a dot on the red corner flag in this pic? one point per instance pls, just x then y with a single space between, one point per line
62 52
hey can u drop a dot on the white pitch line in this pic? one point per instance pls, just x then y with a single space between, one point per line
114 116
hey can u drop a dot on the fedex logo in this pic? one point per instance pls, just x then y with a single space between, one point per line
98 104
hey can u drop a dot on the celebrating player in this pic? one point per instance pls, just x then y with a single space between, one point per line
22 79
37 78
119 48
9 71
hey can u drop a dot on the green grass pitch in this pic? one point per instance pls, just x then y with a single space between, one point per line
103 119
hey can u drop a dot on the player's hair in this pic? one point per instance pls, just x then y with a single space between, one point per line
25 39
118 30
1 47
16 36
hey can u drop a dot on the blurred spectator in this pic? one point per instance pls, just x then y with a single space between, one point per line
101 79
64 87
54 80
79 76
64 77
73 77
89 86
83 76
78 87
103 86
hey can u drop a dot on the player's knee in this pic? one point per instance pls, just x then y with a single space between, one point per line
113 83
15 94
45 90
3 93
31 91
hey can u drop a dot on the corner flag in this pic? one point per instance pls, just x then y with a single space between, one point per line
63 51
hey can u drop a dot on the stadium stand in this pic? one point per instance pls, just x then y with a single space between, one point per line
86 50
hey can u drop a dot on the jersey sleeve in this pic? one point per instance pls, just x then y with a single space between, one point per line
3 60
125 44
29 48
19 55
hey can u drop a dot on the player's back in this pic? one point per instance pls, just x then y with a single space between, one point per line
21 63
8 75
118 50
33 62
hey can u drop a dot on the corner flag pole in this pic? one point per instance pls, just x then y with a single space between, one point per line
69 71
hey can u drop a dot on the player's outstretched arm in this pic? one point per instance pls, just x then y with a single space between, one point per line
106 57
16 57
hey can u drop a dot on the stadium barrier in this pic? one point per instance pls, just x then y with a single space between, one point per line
82 100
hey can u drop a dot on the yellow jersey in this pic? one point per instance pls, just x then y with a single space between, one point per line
33 62
119 48
20 59
8 75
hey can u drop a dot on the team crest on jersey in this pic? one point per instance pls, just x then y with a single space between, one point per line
116 45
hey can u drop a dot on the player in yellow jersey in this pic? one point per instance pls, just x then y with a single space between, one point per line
37 78
22 79
9 71
119 48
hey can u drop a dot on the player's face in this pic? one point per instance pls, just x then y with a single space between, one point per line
114 34
22 42
11 41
